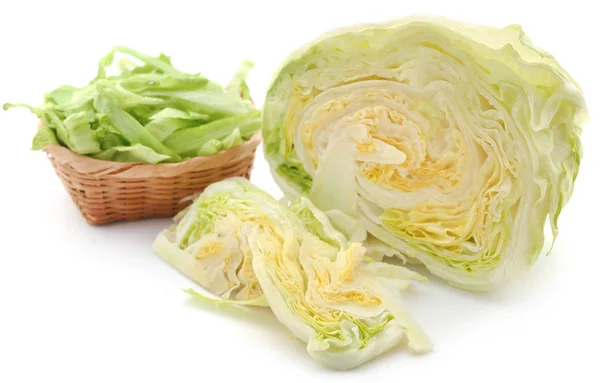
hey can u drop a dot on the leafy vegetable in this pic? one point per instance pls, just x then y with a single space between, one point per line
238 85
450 144
44 138
136 153
130 129
187 141
245 247
145 111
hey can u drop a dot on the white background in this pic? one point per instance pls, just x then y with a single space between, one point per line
94 304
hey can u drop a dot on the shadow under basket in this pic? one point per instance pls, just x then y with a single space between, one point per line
107 191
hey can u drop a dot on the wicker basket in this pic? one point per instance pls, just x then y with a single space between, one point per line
106 191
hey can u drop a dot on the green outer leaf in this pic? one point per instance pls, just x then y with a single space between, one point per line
131 129
178 114
237 85
210 148
107 136
157 63
150 82
80 133
44 137
164 127
187 142
61 95
81 100
135 153
233 139
216 103
124 98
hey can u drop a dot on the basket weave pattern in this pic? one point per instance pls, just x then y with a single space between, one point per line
106 191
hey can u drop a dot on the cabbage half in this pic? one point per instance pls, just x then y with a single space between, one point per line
244 246
450 144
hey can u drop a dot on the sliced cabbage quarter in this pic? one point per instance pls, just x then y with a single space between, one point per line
451 144
245 247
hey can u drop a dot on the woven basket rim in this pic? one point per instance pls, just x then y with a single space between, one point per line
91 166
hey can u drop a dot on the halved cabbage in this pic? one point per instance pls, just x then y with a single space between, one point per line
244 246
450 143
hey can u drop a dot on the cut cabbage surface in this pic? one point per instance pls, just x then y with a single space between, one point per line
448 143
247 248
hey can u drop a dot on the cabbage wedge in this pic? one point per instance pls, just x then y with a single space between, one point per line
247 248
450 144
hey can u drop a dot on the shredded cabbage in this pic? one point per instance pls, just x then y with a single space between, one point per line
148 112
